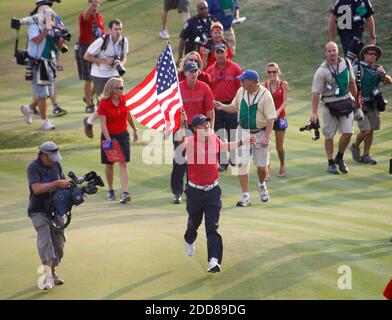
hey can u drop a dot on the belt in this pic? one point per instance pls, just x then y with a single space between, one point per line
204 188
257 130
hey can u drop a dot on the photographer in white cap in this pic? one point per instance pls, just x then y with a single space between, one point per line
45 176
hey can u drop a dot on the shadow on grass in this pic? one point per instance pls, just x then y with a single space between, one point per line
295 270
118 293
18 295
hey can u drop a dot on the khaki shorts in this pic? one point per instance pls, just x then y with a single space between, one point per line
331 124
242 154
371 119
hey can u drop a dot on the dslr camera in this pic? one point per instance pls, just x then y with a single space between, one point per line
312 126
118 65
64 199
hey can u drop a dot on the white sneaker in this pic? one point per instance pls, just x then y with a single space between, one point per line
46 282
164 34
213 265
264 196
244 202
27 114
47 125
190 249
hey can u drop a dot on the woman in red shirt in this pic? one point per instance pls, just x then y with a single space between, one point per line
279 90
115 116
193 56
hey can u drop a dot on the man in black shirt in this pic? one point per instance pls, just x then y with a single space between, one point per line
350 17
197 26
45 175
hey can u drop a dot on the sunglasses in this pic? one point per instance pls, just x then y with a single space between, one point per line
269 72
371 53
119 88
203 8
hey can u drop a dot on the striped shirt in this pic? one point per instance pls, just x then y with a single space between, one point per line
202 158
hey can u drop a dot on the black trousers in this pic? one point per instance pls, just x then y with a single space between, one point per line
346 38
199 202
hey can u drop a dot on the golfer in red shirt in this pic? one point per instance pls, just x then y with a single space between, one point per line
197 98
203 192
114 115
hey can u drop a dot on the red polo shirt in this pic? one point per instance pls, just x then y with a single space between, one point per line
224 82
202 159
211 55
116 116
198 100
86 36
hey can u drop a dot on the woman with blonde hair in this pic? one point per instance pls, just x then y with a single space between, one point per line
193 56
115 116
279 90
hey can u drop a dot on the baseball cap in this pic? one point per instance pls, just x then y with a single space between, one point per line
220 46
249 74
51 149
190 66
199 119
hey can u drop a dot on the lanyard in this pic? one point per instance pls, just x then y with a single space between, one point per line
277 87
250 104
334 72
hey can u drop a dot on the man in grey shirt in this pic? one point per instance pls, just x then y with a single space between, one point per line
45 176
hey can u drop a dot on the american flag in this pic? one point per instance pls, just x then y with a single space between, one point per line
156 102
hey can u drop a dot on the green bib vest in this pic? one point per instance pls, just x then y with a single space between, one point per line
248 113
370 81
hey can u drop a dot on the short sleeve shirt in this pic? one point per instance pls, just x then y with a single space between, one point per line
37 172
103 70
202 159
224 82
198 100
35 50
116 116
324 83
346 10
265 106
86 36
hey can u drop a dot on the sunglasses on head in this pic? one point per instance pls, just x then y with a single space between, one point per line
51 150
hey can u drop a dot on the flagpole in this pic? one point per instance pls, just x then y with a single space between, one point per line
178 82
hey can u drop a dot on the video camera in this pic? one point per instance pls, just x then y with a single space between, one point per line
312 126
203 42
64 199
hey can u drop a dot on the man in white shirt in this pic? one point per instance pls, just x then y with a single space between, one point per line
103 53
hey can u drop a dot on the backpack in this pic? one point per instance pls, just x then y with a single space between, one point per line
105 42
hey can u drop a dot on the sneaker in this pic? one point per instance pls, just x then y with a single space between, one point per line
177 199
46 282
57 280
88 128
244 202
90 109
111 195
342 166
164 34
27 114
58 112
355 152
125 197
264 196
190 249
213 265
47 125
332 169
368 160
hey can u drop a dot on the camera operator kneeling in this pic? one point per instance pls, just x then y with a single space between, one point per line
45 176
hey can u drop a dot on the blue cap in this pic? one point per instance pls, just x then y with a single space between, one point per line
199 119
220 46
249 74
190 66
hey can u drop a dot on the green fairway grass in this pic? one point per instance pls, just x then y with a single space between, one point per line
288 248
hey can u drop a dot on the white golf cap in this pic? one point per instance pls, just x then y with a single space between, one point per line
51 149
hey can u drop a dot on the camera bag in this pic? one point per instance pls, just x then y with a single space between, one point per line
341 107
